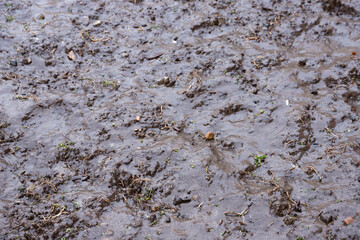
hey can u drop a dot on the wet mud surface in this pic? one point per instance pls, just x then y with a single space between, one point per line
104 106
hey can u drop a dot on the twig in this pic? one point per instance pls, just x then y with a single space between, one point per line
287 194
52 186
331 132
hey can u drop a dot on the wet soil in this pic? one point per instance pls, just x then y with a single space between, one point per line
104 106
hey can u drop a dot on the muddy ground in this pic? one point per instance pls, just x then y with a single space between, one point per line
104 106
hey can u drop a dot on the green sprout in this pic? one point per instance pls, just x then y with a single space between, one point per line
10 18
259 159
65 144
148 192
107 83
257 114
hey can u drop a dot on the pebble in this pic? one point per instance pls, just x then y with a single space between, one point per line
71 56
13 63
109 233
97 23
125 55
209 136
26 61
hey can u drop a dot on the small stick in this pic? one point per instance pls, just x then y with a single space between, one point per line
331 132
52 186
57 215
287 194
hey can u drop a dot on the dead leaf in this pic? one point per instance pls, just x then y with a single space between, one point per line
348 220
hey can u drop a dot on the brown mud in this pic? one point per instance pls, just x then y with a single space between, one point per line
104 106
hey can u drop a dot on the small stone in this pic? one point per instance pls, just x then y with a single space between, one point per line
26 61
302 63
289 220
125 55
180 200
166 80
138 118
13 63
42 17
209 136
50 63
137 223
109 233
326 218
348 220
97 23
71 55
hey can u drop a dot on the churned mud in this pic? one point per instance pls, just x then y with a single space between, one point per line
104 106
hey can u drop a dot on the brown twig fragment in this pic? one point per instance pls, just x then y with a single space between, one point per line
311 169
93 39
287 194
331 132
49 183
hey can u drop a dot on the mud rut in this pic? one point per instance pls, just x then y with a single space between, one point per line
104 106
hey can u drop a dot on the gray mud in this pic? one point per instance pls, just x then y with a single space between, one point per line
104 106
